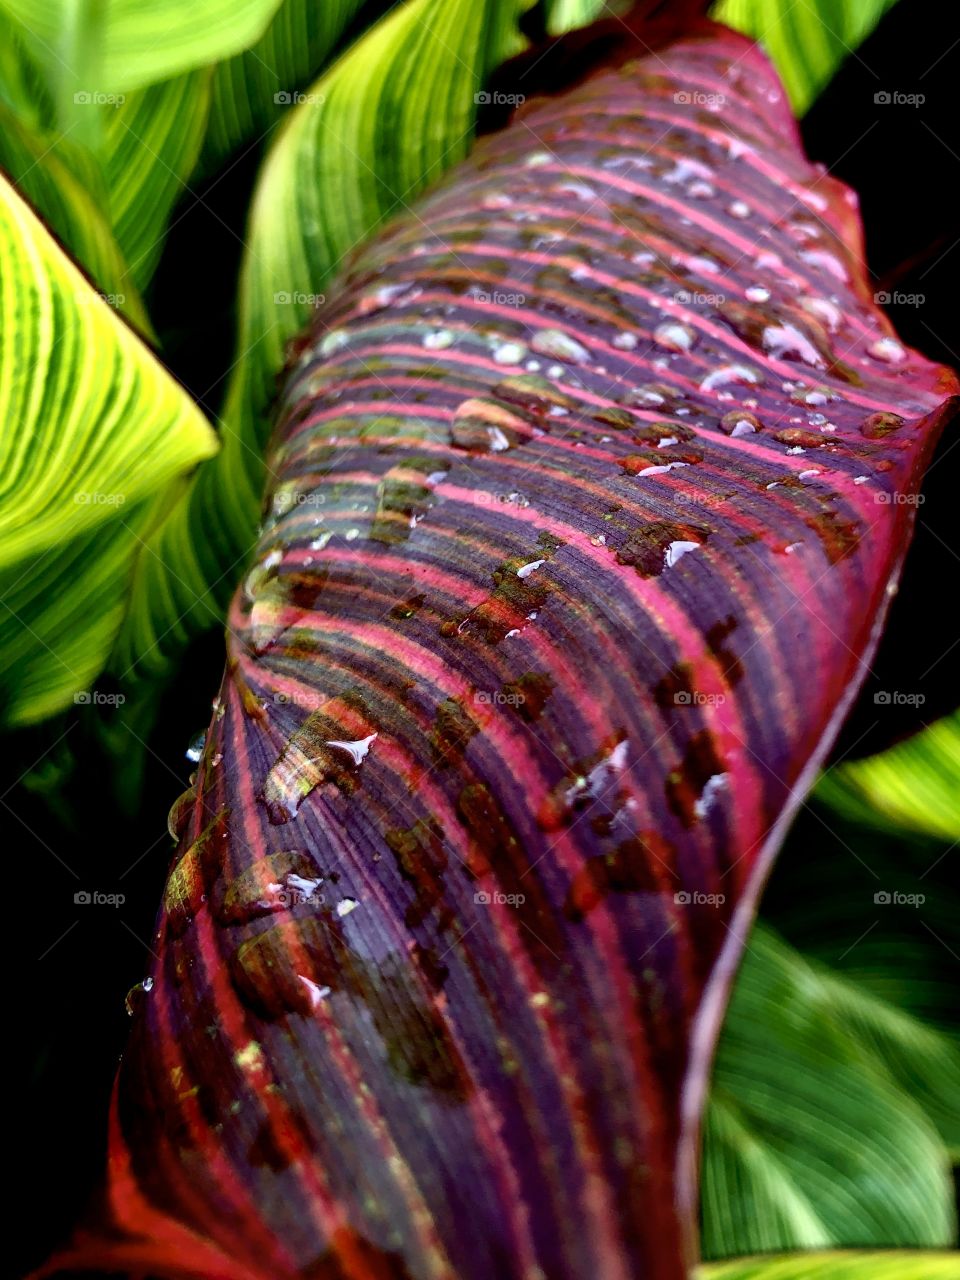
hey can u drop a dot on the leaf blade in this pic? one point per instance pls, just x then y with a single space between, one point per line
72 378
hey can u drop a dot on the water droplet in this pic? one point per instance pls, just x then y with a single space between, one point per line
485 426
737 423
878 425
624 341
799 439
578 189
710 793
261 573
308 759
195 750
887 350
676 550
786 342
277 882
590 780
537 394
705 265
333 341
673 336
526 569
316 993
731 373
509 353
346 905
757 293
826 312
357 749
657 471
136 996
438 340
686 168
739 209
827 262
560 346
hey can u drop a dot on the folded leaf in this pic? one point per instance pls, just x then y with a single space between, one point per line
914 785
809 1142
96 434
578 539
393 113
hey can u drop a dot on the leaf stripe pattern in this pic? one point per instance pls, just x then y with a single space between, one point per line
97 439
585 520
850 1264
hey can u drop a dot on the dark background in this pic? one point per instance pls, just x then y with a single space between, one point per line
69 966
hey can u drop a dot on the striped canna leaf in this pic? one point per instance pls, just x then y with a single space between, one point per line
588 495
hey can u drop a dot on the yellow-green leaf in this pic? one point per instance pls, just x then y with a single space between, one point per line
96 436
128 44
914 785
836 1265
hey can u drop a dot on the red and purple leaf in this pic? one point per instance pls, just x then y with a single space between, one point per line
588 500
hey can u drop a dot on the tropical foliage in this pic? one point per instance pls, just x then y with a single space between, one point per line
550 486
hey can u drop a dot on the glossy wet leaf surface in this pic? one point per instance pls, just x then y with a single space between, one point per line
586 497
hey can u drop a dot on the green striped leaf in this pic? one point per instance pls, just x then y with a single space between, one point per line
810 1140
254 90
149 149
127 44
915 785
40 166
96 435
895 1265
388 118
807 41
130 156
